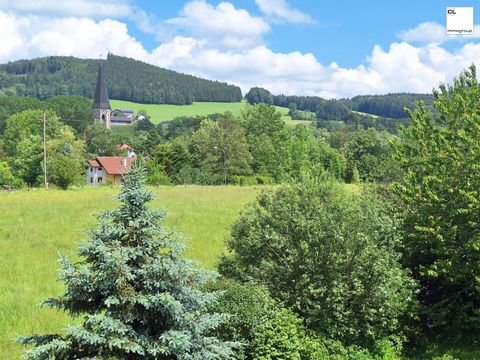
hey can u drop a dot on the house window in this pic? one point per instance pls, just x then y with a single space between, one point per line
91 180
99 169
100 179
91 169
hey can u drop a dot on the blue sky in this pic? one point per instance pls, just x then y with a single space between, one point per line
306 47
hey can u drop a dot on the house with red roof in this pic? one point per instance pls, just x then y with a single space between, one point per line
108 169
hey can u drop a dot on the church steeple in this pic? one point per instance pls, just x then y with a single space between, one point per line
101 100
101 104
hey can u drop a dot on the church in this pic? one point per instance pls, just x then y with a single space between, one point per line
109 169
101 109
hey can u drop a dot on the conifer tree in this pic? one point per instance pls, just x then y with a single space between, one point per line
138 297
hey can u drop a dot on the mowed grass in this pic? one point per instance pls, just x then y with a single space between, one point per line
163 112
38 226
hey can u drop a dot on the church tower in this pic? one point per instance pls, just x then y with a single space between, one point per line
101 109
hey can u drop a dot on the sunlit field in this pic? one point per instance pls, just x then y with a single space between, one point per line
38 226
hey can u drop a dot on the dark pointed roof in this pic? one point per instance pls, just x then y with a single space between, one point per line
100 101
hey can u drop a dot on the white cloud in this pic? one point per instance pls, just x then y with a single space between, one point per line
240 57
10 28
281 11
222 26
425 32
432 32
401 68
33 36
79 8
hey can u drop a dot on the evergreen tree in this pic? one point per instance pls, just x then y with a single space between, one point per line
139 297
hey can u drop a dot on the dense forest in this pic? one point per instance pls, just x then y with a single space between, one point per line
127 79
388 106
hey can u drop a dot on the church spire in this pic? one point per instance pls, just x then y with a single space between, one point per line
101 109
101 101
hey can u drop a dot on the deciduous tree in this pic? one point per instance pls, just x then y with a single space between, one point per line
328 255
441 204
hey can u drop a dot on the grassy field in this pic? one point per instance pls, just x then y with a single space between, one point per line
159 113
165 112
37 226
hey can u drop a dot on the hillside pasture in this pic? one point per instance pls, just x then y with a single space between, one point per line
163 112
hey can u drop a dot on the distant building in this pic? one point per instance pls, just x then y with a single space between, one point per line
101 109
123 147
108 168
122 117
126 149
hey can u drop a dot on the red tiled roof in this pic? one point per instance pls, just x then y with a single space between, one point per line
115 165
123 147
93 163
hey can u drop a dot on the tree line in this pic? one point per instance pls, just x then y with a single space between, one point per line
383 112
127 79
253 148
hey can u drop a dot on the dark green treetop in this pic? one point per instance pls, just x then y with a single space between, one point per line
138 296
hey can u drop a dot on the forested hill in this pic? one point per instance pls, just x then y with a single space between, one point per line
127 79
388 106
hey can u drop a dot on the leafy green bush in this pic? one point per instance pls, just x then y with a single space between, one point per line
6 176
302 115
247 303
252 180
278 336
269 331
156 176
328 255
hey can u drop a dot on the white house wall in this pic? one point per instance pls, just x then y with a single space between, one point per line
94 174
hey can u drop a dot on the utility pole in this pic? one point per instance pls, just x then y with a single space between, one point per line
224 163
45 151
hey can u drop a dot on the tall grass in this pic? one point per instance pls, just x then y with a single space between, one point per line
37 226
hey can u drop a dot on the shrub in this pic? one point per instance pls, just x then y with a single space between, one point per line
328 255
6 176
269 331
156 176
252 180
277 336
247 303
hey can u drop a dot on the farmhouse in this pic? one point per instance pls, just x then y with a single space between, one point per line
108 168
121 117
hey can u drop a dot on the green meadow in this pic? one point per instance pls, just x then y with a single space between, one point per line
163 112
37 226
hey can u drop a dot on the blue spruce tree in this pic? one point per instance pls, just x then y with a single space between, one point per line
138 297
